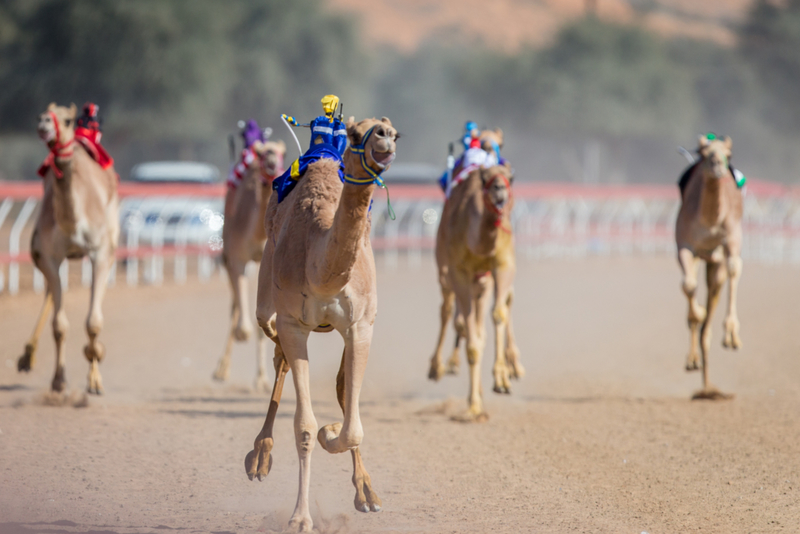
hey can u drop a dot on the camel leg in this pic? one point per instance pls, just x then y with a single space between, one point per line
453 363
28 360
715 277
731 339
469 310
340 437
516 370
502 289
366 499
293 337
240 326
437 369
258 462
697 313
94 350
262 382
223 369
49 267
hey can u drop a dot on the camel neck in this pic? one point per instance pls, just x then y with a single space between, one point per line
490 225
63 197
348 233
712 202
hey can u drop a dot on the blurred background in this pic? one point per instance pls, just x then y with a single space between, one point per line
597 91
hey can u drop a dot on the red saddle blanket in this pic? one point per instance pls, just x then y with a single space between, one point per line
87 140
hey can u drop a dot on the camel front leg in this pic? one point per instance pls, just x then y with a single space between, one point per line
503 278
94 350
49 266
258 462
697 314
731 339
516 370
28 359
467 304
715 276
366 499
340 437
437 369
293 337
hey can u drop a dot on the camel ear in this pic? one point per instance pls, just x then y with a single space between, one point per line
728 142
73 110
352 133
499 133
51 106
386 120
259 147
703 141
281 146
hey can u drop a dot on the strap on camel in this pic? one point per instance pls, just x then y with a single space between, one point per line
58 150
374 177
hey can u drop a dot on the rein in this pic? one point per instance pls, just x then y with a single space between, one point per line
374 177
498 222
58 150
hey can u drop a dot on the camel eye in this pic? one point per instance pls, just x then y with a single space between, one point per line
67 122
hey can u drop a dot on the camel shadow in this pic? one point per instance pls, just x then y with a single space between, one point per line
70 527
222 414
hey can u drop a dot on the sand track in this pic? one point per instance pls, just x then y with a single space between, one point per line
599 437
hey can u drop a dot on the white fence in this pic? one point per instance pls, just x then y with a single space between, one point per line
170 230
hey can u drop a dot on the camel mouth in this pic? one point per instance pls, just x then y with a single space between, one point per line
47 135
382 159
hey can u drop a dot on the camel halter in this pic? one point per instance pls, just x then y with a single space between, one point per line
374 177
498 223
58 150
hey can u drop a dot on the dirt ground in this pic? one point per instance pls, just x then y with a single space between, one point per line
600 436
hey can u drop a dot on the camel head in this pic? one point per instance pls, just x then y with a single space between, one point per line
490 138
497 187
716 153
270 155
57 125
381 141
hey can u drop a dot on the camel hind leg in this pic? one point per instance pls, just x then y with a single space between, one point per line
240 327
94 350
516 370
366 499
26 362
731 338
262 381
437 369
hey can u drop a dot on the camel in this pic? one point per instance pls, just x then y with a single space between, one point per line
79 217
318 274
709 228
243 239
482 281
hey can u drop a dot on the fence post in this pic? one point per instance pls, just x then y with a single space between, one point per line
13 243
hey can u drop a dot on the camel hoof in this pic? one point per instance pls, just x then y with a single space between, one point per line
58 385
364 508
516 370
25 362
301 524
436 372
711 393
376 508
262 385
95 390
258 462
503 390
692 362
221 375
471 417
452 369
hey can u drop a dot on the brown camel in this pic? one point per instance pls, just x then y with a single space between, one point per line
79 217
709 228
318 274
243 239
482 281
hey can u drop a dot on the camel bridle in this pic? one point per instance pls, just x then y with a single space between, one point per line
498 212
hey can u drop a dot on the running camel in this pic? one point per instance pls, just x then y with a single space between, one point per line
318 274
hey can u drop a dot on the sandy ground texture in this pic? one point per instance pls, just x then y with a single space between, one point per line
600 436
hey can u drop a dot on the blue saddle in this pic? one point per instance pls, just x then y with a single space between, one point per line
286 182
